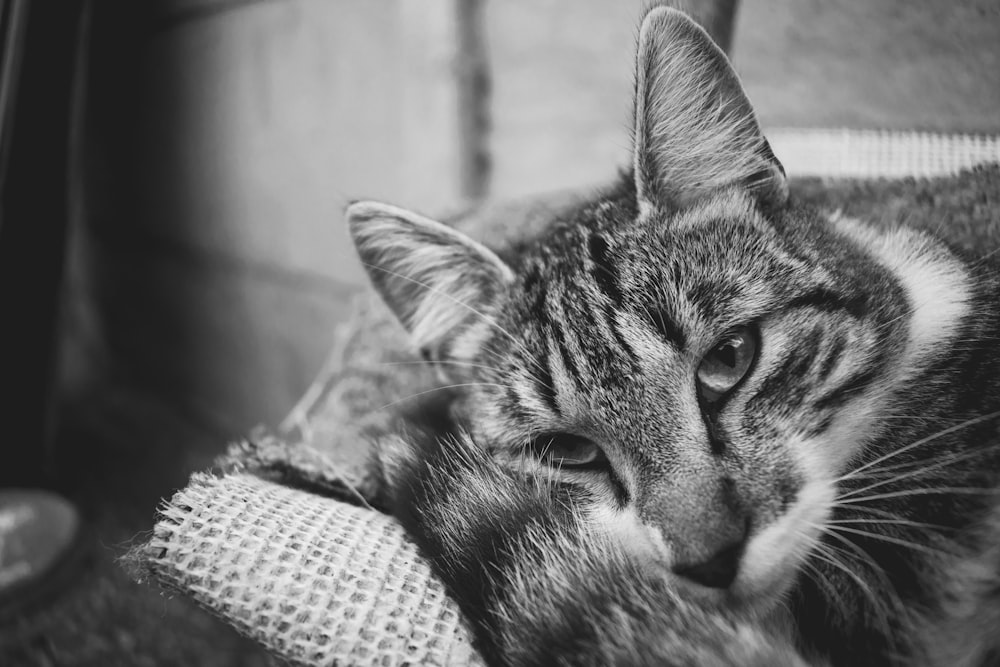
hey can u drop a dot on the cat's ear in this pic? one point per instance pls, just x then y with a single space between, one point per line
695 130
437 281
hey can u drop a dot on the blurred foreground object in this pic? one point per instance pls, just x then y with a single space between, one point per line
39 534
40 48
40 65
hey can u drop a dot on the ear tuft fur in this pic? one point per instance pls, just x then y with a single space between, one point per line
437 281
695 130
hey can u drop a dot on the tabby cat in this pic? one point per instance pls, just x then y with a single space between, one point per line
697 422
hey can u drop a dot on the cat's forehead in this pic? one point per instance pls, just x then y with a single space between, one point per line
723 254
719 224
710 266
725 237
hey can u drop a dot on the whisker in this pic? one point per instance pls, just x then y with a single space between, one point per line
873 510
442 362
948 460
891 522
823 582
532 375
449 386
922 441
882 606
891 540
835 562
986 257
889 518
920 470
921 491
816 575
859 554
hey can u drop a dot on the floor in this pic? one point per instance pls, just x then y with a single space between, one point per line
116 456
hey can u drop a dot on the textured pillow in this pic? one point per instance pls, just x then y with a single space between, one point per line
282 540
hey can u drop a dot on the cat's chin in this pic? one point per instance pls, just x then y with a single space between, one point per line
758 605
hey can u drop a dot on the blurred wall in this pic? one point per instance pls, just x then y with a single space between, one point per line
239 130
562 75
227 139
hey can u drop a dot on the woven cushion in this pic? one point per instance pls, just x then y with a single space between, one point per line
315 580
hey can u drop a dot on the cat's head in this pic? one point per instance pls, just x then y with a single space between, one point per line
699 358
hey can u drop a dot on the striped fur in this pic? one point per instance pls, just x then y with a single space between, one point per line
552 589
837 504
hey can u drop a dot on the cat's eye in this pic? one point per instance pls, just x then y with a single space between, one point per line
565 450
726 363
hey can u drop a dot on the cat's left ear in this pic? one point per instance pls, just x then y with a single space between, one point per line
441 284
695 131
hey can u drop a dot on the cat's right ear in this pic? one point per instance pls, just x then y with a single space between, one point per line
437 281
695 130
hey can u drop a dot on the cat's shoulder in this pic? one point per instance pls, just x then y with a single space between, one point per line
962 210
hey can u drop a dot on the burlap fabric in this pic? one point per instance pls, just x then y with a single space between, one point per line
283 541
317 581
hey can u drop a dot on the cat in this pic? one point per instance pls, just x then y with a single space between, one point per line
696 421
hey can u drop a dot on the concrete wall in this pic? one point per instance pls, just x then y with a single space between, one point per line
562 75
259 120
228 269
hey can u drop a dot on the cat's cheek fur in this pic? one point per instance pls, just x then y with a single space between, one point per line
600 510
624 528
774 555
938 289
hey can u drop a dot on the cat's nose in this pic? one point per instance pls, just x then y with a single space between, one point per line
719 570
706 524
